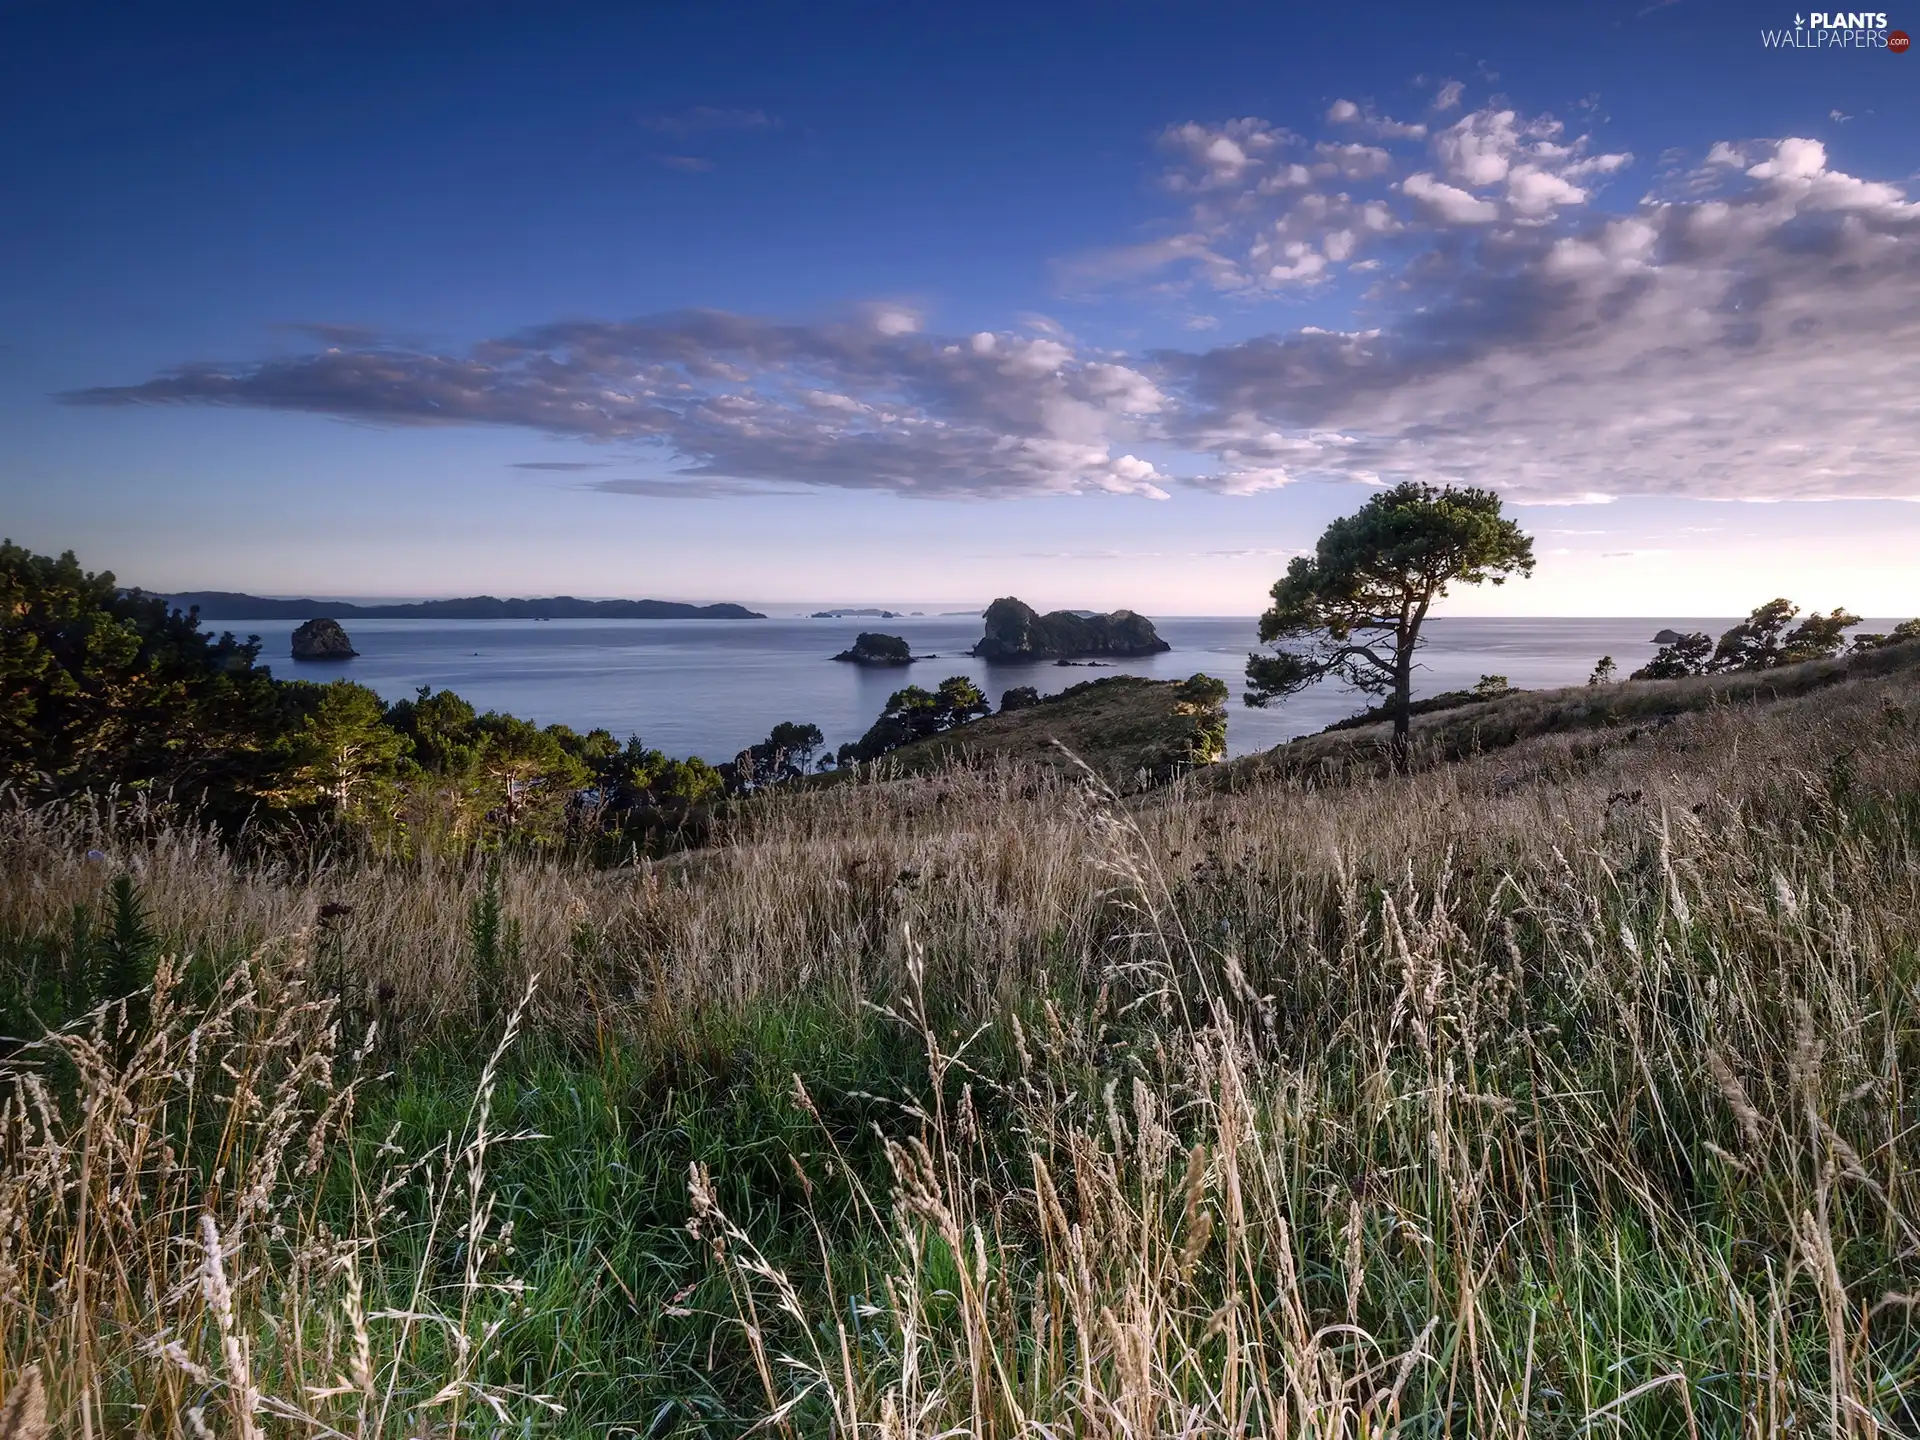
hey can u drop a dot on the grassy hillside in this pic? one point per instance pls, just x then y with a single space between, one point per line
1129 730
1625 711
1564 1090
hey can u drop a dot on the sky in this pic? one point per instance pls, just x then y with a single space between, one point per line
1099 304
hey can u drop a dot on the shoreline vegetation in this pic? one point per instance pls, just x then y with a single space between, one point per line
1543 1069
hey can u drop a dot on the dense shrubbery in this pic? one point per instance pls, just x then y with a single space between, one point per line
101 687
96 684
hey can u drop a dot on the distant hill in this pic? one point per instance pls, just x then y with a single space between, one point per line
230 605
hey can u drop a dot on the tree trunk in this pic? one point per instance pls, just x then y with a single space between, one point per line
1402 705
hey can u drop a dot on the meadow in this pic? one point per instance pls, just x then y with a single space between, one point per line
1559 1089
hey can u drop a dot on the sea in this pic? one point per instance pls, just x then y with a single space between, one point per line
712 687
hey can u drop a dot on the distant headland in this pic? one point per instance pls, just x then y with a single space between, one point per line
231 605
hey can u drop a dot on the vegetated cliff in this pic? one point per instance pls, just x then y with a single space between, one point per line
1015 631
231 605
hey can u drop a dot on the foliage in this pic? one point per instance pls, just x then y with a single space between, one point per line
126 952
1760 642
1201 691
1763 642
785 754
337 754
1689 655
1904 633
1354 609
103 685
915 713
1604 671
1019 697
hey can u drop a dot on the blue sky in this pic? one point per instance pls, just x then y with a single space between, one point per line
1096 304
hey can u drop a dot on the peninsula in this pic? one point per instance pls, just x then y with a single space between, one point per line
231 605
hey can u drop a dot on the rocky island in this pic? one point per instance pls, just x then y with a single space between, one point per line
1016 632
875 649
322 640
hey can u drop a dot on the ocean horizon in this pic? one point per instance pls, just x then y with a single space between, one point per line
712 687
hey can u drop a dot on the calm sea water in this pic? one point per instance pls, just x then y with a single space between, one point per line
712 687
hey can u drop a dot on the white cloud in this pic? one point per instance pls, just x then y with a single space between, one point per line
1210 157
1750 338
1792 160
1449 203
1354 161
1448 96
1382 127
1478 149
872 404
1533 192
1749 344
1269 211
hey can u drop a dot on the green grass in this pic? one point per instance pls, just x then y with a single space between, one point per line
1563 1091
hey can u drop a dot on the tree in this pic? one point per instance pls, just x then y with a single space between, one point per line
914 713
683 784
1763 642
531 775
959 700
1904 633
784 755
101 686
1020 697
443 729
1679 658
1204 697
1354 609
1201 691
340 756
1604 671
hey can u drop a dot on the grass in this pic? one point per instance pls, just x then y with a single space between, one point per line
1563 1090
1131 731
1457 731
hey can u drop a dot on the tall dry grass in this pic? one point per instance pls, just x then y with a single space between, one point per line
1562 1091
166 1266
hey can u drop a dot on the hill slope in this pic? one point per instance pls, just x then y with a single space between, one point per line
1630 708
1121 726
